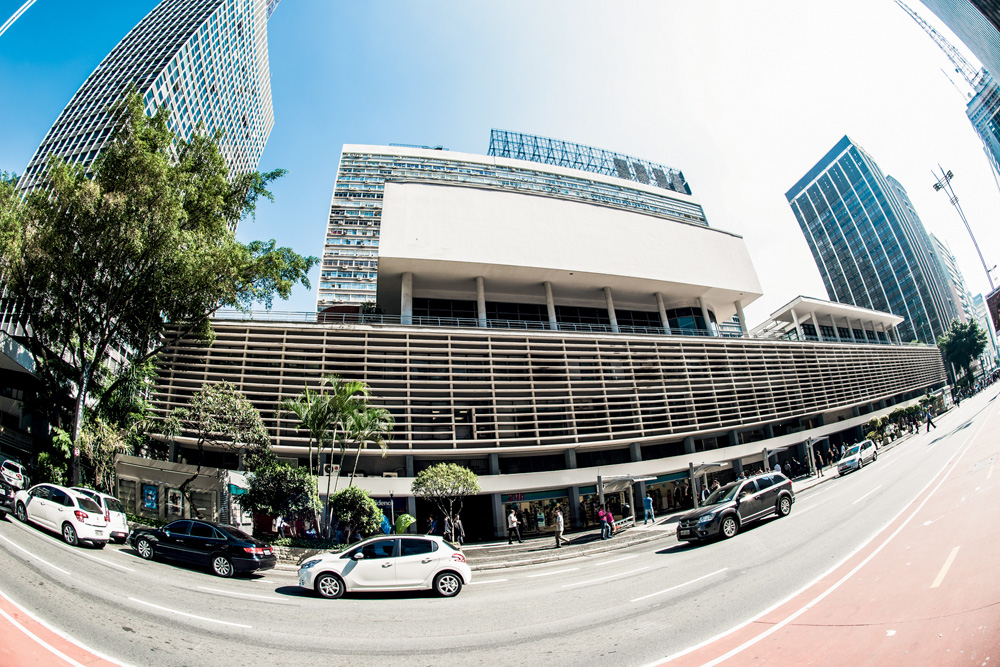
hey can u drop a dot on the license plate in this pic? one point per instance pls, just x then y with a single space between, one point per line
684 533
267 552
99 533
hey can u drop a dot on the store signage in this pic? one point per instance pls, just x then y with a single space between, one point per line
511 497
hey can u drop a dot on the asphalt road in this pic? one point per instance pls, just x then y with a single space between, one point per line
631 607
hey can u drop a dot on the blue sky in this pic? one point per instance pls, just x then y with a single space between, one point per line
743 97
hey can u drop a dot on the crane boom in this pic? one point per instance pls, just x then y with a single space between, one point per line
962 66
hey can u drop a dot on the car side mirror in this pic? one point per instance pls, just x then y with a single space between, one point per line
167 533
358 556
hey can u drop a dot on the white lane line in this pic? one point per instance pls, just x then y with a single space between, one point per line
272 598
803 511
548 574
616 560
945 568
686 583
486 581
610 576
79 551
777 626
184 613
40 560
56 632
867 494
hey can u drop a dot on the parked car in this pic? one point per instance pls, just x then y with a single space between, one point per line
6 498
388 563
114 513
13 473
76 517
730 507
223 548
857 457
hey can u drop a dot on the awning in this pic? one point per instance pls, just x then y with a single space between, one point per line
619 483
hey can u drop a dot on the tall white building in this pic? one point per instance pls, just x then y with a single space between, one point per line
958 293
205 60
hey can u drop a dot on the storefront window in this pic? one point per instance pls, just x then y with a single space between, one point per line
537 511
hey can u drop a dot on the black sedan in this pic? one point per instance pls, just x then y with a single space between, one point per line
225 549
6 498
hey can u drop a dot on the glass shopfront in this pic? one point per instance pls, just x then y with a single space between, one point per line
536 511
670 493
590 503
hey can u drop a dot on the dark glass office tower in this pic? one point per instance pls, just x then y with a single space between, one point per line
868 242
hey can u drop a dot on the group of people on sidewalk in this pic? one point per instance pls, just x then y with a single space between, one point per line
452 531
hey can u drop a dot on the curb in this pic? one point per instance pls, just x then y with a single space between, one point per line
551 558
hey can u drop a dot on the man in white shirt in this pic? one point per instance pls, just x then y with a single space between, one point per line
559 528
512 530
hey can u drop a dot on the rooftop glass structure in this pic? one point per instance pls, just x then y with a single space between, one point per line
868 242
205 60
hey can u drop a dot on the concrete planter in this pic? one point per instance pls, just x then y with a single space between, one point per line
295 555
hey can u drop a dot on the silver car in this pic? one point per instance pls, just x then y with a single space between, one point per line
857 457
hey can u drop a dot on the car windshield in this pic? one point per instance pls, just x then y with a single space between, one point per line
723 494
113 505
88 505
235 532
853 450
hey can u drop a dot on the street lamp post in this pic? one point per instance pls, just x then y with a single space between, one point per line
944 183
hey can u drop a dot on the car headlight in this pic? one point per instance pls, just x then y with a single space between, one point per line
309 563
706 518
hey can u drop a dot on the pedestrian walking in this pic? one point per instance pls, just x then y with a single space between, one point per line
819 464
930 422
459 530
607 521
279 525
704 493
448 531
512 529
432 525
559 529
777 468
647 504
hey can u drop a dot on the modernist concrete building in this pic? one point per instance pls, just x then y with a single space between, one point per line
545 326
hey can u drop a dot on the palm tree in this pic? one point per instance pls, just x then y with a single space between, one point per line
345 397
313 411
369 423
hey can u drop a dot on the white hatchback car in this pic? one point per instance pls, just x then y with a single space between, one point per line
13 472
857 456
114 513
388 563
76 517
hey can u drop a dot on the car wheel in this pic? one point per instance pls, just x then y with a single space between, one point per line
22 514
222 566
100 545
447 584
145 548
69 534
329 586
874 457
728 527
784 506
3 515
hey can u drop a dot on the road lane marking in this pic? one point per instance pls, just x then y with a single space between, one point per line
616 560
184 613
58 633
867 494
486 581
686 583
272 598
778 626
75 550
945 568
610 576
547 574
40 560
989 473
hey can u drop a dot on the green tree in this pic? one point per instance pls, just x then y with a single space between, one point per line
219 416
100 261
961 344
345 397
356 511
369 424
445 485
101 441
281 489
315 418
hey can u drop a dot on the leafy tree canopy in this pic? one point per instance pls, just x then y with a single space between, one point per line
281 489
356 511
961 344
445 484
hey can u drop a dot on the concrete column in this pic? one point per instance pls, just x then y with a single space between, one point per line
172 455
411 509
864 334
409 467
768 431
689 445
836 329
574 506
494 464
704 314
819 335
499 518
406 300
695 486
481 301
850 329
570 456
737 466
795 321
635 452
743 318
733 438
611 309
663 312
550 305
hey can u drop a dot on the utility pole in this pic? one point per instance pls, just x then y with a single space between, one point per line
944 183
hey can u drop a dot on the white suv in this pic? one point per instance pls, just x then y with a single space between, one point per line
114 513
388 563
857 456
13 472
76 517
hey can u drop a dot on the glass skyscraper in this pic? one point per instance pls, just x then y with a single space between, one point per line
205 60
868 242
971 22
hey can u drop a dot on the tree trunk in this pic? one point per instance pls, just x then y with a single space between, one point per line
81 403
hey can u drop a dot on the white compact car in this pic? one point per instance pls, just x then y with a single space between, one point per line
114 513
388 563
13 472
857 456
74 516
